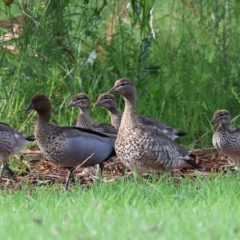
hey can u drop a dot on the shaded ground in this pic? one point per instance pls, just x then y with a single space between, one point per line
41 172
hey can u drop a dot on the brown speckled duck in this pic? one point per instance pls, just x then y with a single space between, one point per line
142 149
82 101
108 102
11 142
226 138
68 147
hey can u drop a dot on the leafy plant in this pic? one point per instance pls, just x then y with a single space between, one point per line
182 56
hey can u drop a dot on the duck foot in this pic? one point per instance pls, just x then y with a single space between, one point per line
9 170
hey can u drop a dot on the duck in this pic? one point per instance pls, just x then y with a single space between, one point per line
226 138
108 102
11 142
82 101
141 149
69 147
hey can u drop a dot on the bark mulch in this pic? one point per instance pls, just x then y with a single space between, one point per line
38 171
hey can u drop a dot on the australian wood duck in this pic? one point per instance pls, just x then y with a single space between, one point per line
68 147
144 149
108 102
84 120
11 142
226 138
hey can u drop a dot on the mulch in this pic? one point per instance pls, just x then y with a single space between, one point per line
39 172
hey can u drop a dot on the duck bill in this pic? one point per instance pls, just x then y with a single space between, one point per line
112 90
213 121
30 107
71 104
97 103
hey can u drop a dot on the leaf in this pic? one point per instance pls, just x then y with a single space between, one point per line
91 58
152 69
145 49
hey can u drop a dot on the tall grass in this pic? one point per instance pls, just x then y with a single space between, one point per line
182 55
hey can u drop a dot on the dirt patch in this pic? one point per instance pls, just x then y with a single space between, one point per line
41 172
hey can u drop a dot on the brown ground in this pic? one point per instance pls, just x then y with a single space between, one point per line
41 172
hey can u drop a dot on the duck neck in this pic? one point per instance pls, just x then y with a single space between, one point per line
225 126
116 116
84 119
44 117
115 112
84 110
129 114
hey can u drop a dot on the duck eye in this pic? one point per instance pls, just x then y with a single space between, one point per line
80 98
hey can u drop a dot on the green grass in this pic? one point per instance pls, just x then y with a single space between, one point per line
193 209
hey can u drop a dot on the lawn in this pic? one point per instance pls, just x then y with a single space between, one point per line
201 208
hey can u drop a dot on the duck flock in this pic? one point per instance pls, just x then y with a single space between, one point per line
143 144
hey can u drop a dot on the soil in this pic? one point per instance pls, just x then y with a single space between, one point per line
39 171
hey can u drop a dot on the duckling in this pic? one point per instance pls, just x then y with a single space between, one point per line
11 142
82 101
226 138
108 102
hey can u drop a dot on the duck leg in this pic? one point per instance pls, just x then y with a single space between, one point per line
100 170
10 171
4 167
70 176
99 174
124 170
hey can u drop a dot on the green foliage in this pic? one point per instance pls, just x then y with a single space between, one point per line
182 55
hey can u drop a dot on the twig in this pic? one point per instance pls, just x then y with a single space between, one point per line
83 162
204 151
